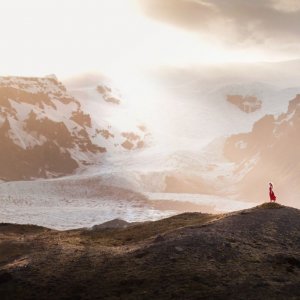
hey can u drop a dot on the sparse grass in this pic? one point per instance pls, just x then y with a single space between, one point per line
140 232
10 250
21 228
270 205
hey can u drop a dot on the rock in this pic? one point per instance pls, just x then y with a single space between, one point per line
179 249
159 238
116 223
247 104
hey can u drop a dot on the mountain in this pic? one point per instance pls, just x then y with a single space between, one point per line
108 107
270 152
46 132
248 254
195 107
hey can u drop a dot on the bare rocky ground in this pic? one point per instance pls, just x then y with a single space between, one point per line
249 254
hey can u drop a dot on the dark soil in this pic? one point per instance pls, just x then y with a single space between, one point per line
250 254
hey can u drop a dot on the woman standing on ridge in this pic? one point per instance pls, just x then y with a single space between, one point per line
271 193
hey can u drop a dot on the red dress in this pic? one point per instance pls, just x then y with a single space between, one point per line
271 194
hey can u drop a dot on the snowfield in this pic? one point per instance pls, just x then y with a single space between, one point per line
71 203
83 201
218 204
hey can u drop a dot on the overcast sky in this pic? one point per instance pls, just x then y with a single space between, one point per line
68 37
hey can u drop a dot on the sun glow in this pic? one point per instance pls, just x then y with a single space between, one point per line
109 36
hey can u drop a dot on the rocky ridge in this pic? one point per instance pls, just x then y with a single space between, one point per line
46 132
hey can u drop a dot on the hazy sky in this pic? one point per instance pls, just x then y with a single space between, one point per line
114 37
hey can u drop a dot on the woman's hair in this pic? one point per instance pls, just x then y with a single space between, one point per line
270 183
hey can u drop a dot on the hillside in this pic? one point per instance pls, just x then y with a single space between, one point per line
253 254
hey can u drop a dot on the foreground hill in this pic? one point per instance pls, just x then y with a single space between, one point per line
253 254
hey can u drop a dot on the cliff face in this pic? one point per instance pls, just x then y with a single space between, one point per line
45 132
270 152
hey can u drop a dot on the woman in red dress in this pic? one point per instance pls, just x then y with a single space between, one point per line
271 193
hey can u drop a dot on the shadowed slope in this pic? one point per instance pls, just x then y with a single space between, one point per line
252 254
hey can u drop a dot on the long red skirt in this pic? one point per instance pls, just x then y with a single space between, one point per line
272 196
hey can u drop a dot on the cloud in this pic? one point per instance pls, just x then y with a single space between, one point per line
255 22
189 14
286 5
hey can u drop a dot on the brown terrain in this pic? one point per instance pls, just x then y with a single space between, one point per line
107 94
247 104
249 254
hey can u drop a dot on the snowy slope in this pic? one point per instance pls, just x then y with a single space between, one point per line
72 202
197 106
46 132
109 111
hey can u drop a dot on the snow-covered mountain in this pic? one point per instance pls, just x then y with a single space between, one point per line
193 123
46 132
270 152
121 127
